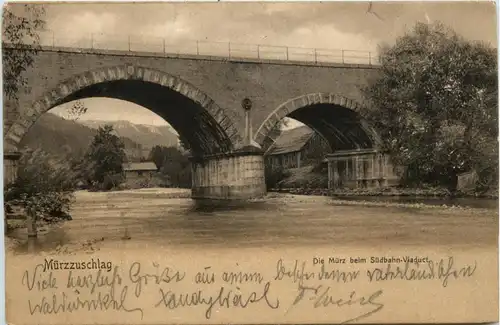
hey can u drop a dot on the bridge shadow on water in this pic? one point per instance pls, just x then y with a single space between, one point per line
214 206
226 222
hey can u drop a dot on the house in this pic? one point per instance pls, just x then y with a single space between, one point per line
140 170
296 148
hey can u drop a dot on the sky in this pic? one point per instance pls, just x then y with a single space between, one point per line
325 25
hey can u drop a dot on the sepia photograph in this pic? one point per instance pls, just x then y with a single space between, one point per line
250 162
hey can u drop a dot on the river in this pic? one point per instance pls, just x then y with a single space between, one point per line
162 227
167 217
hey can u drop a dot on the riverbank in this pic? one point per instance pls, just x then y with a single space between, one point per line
388 192
391 202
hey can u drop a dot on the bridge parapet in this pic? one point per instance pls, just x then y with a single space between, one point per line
158 46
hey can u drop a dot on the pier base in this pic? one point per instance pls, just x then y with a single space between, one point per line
234 176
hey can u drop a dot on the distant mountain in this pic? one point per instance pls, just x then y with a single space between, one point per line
56 135
146 135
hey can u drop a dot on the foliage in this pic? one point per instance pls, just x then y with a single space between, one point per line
274 175
76 110
44 185
104 160
21 43
158 155
316 150
435 105
147 182
173 164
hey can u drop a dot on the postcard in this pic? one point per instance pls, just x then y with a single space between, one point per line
250 162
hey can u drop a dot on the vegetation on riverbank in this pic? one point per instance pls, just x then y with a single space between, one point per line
313 180
435 107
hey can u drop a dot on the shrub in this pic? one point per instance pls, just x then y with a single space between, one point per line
50 206
44 186
274 175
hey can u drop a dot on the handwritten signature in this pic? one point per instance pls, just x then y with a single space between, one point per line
321 297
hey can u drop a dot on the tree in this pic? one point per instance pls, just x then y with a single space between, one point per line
106 154
157 156
435 104
21 43
173 164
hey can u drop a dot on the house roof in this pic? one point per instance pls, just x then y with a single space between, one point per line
147 165
291 140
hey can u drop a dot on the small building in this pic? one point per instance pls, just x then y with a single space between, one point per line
356 168
136 170
296 148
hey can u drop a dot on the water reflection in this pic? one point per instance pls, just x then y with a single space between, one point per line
46 240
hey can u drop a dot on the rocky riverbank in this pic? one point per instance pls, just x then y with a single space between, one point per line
388 192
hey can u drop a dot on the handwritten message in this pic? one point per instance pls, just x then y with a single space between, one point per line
354 288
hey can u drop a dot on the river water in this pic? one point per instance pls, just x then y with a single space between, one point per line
160 218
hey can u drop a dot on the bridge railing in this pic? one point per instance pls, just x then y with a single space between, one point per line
141 43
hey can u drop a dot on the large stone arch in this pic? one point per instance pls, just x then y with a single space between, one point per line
264 135
63 93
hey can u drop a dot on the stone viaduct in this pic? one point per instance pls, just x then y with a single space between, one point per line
201 98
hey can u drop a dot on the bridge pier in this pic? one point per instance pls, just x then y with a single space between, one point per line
233 176
364 168
10 161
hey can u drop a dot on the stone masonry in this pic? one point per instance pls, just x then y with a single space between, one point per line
217 85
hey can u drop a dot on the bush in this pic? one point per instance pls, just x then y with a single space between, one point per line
158 180
44 186
274 175
178 172
111 181
50 206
